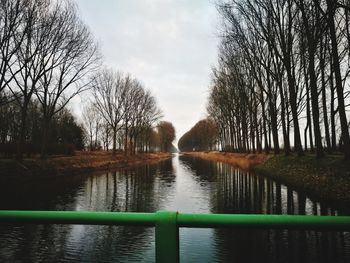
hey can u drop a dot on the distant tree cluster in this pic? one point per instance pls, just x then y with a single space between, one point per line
203 136
46 53
66 133
282 76
122 112
166 135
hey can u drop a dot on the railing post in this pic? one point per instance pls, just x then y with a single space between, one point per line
167 237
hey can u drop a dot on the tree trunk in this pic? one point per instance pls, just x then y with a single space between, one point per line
126 140
305 136
324 98
273 115
45 135
334 136
90 141
288 122
274 129
283 120
114 151
311 48
294 109
23 128
258 142
252 133
107 138
96 131
338 81
315 106
266 143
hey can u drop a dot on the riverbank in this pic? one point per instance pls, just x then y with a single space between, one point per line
82 162
326 179
242 161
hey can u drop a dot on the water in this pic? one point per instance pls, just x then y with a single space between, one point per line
184 184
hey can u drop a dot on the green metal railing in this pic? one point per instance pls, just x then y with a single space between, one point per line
167 223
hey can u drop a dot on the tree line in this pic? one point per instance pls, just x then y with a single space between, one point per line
281 82
66 133
47 57
201 137
124 113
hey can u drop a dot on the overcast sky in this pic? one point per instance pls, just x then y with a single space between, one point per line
169 45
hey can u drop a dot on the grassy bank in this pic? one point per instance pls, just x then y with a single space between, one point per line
243 161
81 162
326 179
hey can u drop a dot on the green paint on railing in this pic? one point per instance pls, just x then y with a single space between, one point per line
167 223
341 223
167 237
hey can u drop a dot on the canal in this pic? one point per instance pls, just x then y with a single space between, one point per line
184 184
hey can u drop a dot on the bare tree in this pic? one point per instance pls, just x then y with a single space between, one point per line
25 71
277 59
331 13
68 57
92 124
144 114
13 29
109 90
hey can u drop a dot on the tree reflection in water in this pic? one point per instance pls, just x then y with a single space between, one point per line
183 183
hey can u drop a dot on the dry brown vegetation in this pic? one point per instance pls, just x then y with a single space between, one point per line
241 160
81 162
102 159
